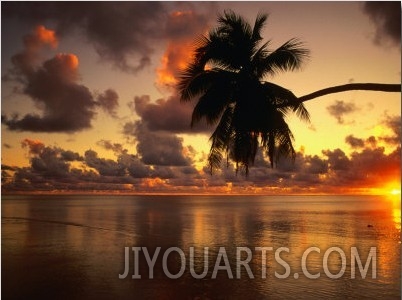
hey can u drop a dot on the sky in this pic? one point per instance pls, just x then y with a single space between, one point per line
88 100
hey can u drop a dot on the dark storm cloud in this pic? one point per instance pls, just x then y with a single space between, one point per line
167 115
109 101
386 16
340 108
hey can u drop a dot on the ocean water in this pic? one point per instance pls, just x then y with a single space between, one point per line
74 247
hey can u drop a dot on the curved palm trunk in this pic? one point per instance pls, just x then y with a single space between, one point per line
381 87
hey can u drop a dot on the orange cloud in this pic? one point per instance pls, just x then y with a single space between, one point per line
35 146
184 26
173 61
66 65
33 43
40 37
46 36
153 182
70 60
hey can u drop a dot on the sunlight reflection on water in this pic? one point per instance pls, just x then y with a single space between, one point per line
73 246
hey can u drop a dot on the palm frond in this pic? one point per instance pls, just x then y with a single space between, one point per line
259 24
195 83
258 58
286 101
234 26
189 84
212 103
285 140
220 139
288 57
244 149
301 112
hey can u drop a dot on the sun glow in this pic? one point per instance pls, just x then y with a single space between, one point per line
395 192
393 188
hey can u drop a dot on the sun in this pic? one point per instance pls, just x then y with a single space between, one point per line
392 188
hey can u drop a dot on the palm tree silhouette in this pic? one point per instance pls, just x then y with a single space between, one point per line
227 75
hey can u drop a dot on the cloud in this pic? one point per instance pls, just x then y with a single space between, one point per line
68 155
354 142
394 124
163 164
121 33
135 167
159 148
105 167
109 101
124 34
386 17
337 160
34 146
340 108
115 147
65 105
371 141
56 169
53 168
182 27
373 166
49 161
40 38
167 115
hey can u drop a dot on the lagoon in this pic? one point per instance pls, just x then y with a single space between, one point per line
75 247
